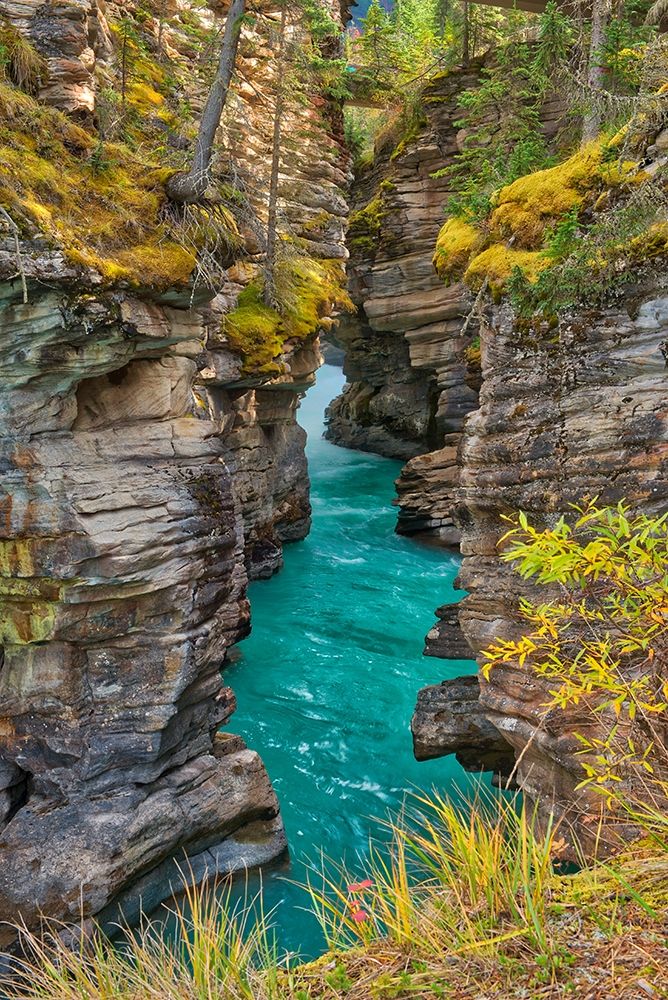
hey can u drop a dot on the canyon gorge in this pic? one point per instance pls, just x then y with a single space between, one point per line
148 473
153 463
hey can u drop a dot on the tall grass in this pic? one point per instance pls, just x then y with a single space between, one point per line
19 60
465 903
213 948
454 877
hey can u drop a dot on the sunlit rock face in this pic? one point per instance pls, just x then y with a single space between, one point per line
71 35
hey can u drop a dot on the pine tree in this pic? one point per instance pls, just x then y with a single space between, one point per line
600 14
378 43
279 106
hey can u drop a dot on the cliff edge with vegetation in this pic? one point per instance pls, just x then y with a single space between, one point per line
511 339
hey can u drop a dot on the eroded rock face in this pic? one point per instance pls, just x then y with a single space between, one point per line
263 446
449 718
409 386
411 360
123 587
146 476
546 420
582 413
70 35
585 414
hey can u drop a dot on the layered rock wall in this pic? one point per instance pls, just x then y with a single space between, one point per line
412 361
147 474
409 385
123 586
547 417
581 414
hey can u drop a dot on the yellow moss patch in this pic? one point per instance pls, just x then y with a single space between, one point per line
653 243
497 263
530 205
147 90
308 291
365 226
144 96
254 330
99 203
457 242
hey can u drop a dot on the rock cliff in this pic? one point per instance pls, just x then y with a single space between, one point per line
582 415
494 416
409 385
123 587
150 467
412 360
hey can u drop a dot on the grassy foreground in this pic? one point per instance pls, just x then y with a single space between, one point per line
466 904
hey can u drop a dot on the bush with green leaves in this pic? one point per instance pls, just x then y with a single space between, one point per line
601 643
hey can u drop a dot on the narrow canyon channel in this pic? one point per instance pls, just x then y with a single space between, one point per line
326 682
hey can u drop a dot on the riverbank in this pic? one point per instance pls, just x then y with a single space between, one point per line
470 909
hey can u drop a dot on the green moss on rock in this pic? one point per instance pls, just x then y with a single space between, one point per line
498 262
307 291
457 242
47 165
366 225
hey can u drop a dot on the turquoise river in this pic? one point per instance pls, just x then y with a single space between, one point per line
327 681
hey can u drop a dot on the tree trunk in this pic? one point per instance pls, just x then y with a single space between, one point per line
466 56
591 124
188 188
272 220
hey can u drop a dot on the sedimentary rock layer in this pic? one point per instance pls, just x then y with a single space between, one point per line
411 357
123 585
146 476
583 414
545 417
449 718
406 366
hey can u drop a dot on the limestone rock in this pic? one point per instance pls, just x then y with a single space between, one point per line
446 639
405 359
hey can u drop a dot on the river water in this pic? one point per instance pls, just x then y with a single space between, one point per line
327 681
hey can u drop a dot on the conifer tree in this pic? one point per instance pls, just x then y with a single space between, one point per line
378 43
279 106
600 15
189 187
